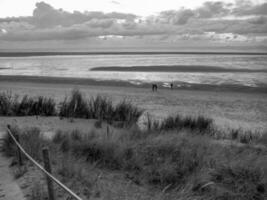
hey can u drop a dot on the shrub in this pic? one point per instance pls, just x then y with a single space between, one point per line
10 105
239 182
33 142
36 106
125 111
6 103
172 161
192 163
101 108
199 123
45 106
160 162
243 136
75 106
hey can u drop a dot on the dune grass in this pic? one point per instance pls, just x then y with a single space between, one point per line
73 106
100 108
10 105
123 114
201 125
178 154
177 122
183 162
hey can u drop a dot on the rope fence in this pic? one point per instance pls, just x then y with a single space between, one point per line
46 170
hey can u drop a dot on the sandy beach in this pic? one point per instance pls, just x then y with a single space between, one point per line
229 109
133 100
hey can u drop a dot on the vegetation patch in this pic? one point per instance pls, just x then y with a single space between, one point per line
10 105
186 163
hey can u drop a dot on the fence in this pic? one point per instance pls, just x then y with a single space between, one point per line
46 169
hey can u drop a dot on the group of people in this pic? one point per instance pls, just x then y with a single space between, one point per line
155 87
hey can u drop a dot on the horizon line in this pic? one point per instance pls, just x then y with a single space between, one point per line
62 53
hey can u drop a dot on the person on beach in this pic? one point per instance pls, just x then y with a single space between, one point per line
154 87
171 86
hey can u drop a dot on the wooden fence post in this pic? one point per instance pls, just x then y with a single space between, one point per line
47 167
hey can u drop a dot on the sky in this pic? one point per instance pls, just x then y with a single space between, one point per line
139 7
132 24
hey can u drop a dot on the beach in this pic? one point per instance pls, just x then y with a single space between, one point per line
133 100
229 109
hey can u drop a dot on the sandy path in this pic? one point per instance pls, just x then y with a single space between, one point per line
9 189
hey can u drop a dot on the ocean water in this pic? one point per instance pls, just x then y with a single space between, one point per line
80 67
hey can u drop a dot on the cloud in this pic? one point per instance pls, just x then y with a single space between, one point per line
48 23
209 9
92 28
258 20
100 23
213 9
245 8
179 17
45 16
115 2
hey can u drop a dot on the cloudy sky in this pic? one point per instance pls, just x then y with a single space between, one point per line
132 24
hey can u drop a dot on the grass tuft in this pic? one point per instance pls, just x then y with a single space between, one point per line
177 122
10 105
100 108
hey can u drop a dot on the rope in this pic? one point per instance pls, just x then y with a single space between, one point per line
42 169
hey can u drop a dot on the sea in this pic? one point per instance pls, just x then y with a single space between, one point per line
237 70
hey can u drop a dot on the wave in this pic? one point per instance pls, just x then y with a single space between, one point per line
176 68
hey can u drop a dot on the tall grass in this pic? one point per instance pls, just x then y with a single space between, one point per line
126 111
207 170
7 103
163 160
74 106
100 108
200 123
31 139
177 122
10 105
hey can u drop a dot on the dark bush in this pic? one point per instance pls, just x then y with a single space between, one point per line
74 106
100 108
7 103
239 181
11 106
125 111
199 123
